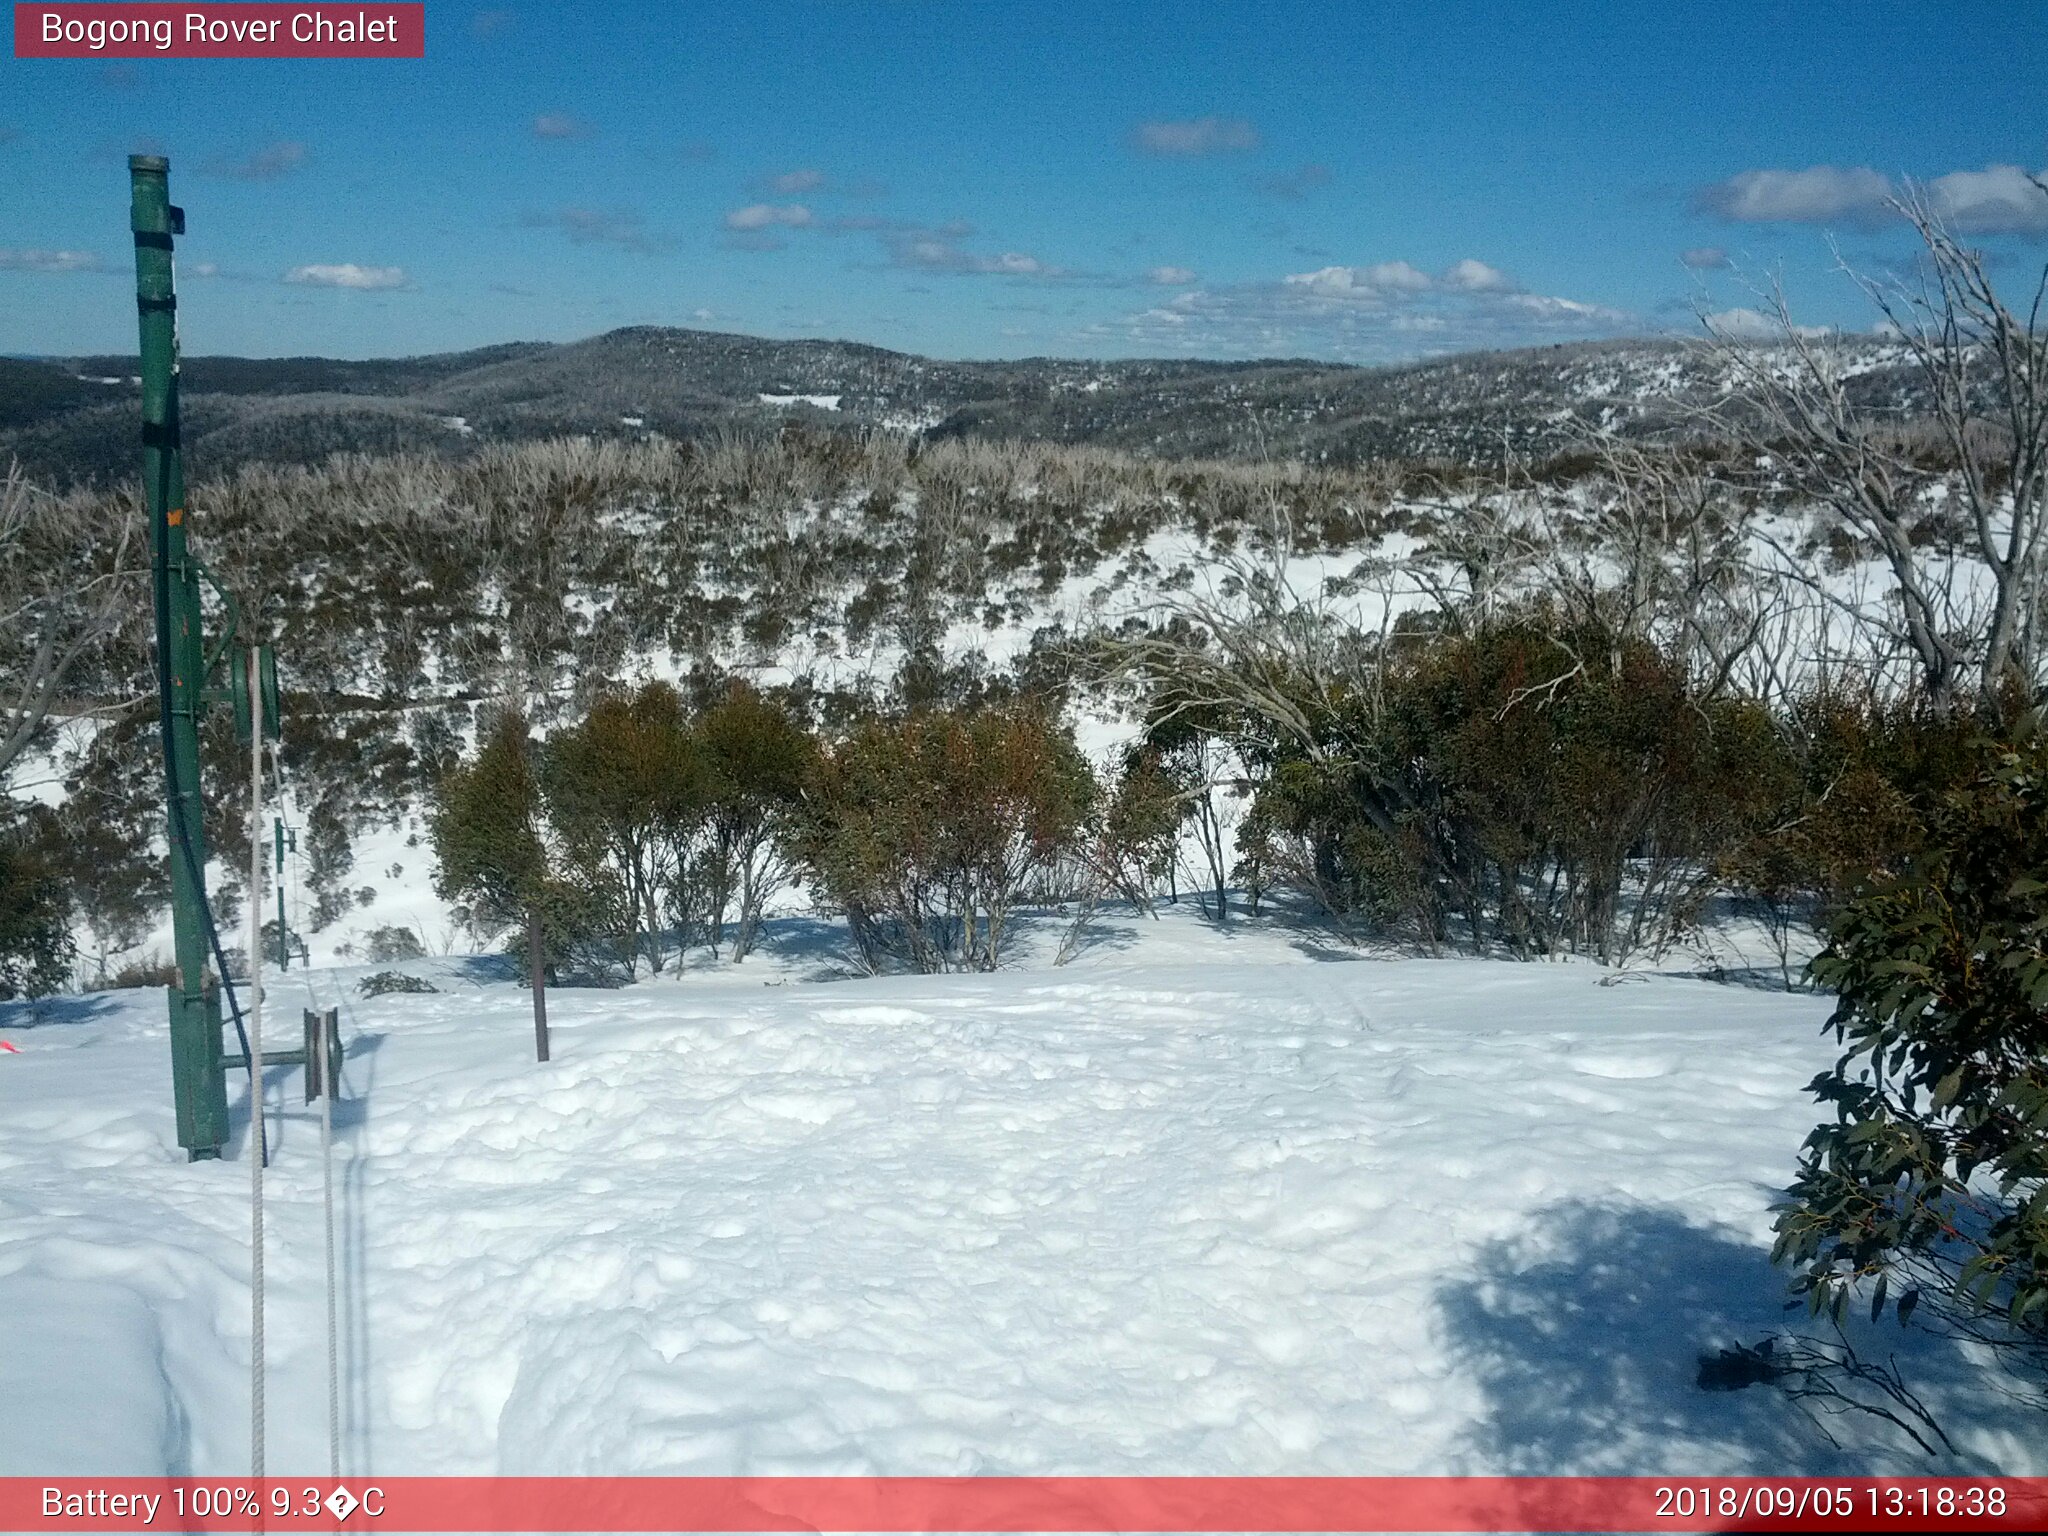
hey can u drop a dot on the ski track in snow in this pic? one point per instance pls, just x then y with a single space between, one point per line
1195 1204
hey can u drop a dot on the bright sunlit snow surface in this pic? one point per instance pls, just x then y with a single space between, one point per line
1200 1202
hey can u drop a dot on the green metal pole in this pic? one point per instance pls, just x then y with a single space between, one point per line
197 1081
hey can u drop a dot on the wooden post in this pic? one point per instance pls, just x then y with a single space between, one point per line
538 961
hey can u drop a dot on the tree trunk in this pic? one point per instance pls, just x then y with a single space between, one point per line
537 960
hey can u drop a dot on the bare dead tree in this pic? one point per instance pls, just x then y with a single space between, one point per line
1652 548
1949 489
64 591
1239 637
1480 552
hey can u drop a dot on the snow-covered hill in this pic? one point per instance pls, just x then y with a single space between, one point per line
72 419
1204 1201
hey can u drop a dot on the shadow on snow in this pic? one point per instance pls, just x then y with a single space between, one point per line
1585 1334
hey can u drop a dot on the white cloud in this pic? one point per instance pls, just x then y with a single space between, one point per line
934 253
928 248
1469 276
1998 200
1821 194
1384 280
1387 277
792 183
1195 136
1395 281
346 274
914 247
769 216
560 125
1171 277
13 260
1741 324
1372 313
1548 307
1702 257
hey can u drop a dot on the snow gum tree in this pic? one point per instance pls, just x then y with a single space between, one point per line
927 830
487 834
35 938
626 788
1191 749
755 760
1930 1185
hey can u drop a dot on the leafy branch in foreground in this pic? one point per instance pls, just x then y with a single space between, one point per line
1929 1189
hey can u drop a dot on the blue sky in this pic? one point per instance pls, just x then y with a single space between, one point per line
1353 181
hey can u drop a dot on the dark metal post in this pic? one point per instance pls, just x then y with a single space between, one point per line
284 952
322 1052
196 1074
536 957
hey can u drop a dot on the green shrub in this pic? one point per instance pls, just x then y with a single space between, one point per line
395 942
755 760
1517 788
385 983
1860 780
626 790
485 825
1137 828
150 971
1930 1185
926 831
36 949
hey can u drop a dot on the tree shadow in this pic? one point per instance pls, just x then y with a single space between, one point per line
1756 978
1110 929
819 943
482 970
1585 1334
1309 928
46 1012
1328 948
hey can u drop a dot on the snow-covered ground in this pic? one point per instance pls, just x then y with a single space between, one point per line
1200 1202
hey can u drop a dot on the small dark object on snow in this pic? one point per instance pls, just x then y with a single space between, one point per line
1730 1370
393 981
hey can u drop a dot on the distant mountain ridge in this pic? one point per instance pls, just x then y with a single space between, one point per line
72 419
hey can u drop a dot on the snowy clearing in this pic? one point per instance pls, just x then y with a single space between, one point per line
1201 1202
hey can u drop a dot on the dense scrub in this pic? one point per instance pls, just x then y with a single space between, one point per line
407 592
928 831
650 826
1929 1187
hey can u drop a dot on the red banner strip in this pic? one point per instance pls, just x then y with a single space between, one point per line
1002 1504
233 31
